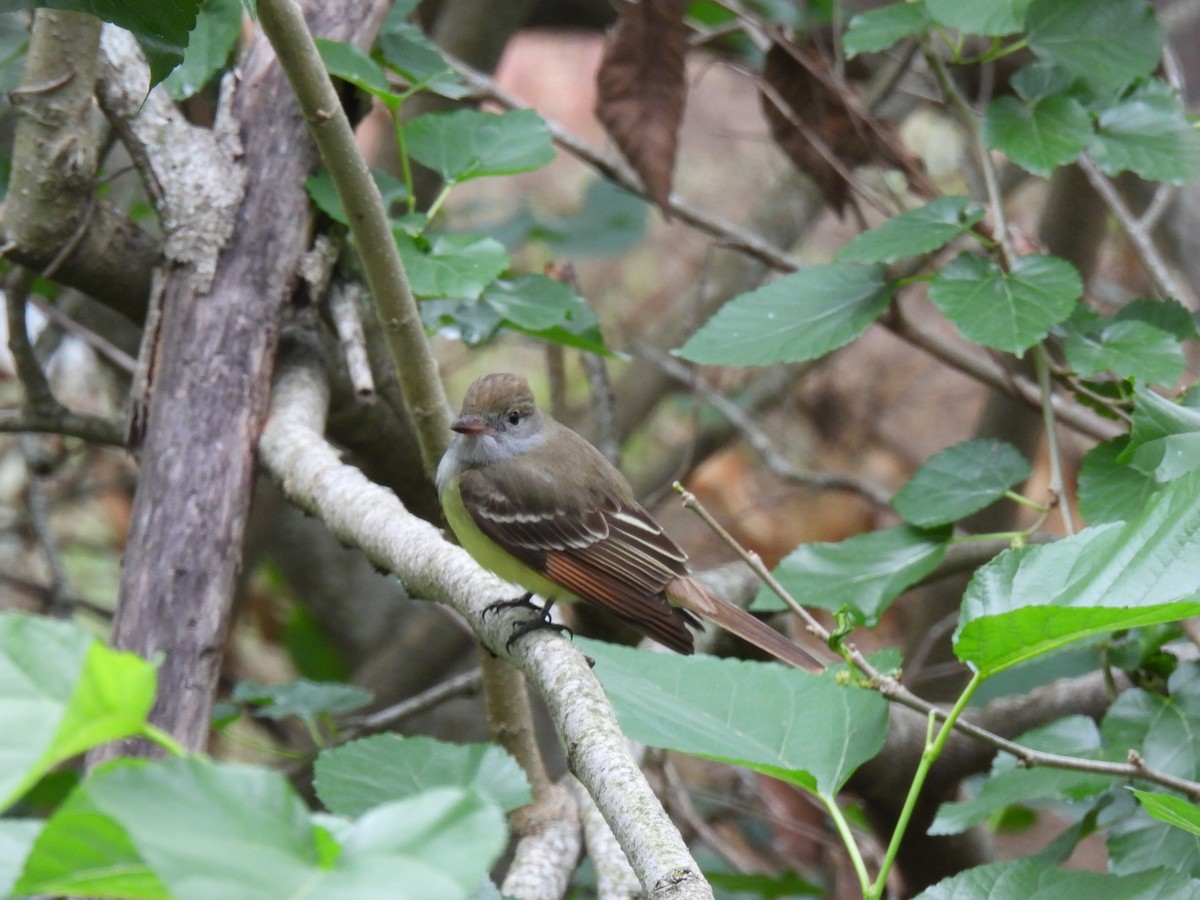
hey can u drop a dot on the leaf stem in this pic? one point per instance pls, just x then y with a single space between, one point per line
1025 501
847 836
933 749
156 735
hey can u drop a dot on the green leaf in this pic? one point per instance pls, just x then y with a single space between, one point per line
611 220
82 850
989 17
800 316
544 308
351 64
1008 311
1157 143
1170 316
363 774
960 480
1108 490
161 28
218 830
1038 136
414 57
451 265
61 693
866 572
1163 730
1164 442
1105 42
471 321
466 144
769 887
302 698
16 840
1171 809
1126 347
1009 783
322 192
802 728
1041 79
1036 599
878 29
1025 879
212 40
917 231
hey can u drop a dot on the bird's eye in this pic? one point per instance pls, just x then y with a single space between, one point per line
514 417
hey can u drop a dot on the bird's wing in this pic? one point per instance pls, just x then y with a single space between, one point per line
598 548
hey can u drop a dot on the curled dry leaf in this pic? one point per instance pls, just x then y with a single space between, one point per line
642 87
819 120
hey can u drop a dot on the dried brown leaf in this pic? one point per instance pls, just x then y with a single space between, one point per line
642 88
819 120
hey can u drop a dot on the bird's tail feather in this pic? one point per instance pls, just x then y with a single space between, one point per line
694 597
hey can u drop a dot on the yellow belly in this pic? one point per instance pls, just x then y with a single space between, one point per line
488 554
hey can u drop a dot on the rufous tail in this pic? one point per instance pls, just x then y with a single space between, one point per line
694 597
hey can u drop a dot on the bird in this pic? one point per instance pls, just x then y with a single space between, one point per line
539 506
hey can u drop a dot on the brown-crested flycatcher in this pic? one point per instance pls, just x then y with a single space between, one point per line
538 505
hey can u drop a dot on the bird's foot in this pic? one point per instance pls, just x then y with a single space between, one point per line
525 601
530 625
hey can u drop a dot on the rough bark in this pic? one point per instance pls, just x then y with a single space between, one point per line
50 218
209 399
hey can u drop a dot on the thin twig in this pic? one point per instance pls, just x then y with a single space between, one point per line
604 406
463 685
1138 234
61 596
346 299
758 439
100 344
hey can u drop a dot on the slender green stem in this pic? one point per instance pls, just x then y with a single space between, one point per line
843 830
933 749
436 205
1025 501
405 163
990 536
156 735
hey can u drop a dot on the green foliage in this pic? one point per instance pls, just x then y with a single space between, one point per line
62 693
879 29
426 823
918 231
729 709
865 573
959 481
352 779
1029 878
307 700
1006 310
800 316
466 144
212 40
161 28
1033 600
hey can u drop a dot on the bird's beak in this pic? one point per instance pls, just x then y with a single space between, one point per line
472 424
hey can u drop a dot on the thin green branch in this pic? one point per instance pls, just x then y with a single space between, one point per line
933 750
283 23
